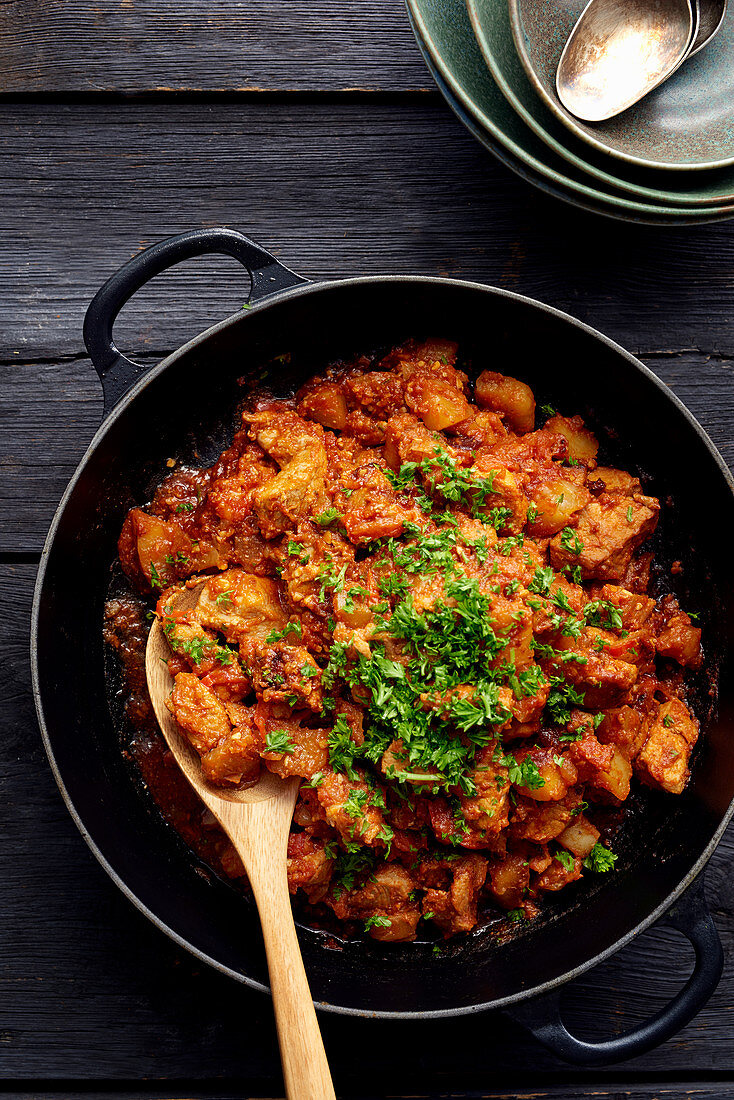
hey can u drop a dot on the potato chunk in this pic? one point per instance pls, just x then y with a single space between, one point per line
439 404
327 405
680 640
236 759
582 444
506 395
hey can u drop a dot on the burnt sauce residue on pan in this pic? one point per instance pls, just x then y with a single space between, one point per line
634 828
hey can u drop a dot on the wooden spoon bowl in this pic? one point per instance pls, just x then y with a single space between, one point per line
257 820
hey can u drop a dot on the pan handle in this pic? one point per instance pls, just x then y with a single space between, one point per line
691 916
118 373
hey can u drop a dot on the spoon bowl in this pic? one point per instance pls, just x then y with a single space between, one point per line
619 51
257 820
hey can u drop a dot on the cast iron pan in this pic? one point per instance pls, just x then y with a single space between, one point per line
186 407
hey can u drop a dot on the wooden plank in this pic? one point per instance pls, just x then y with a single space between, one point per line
50 411
91 991
720 1090
157 45
334 189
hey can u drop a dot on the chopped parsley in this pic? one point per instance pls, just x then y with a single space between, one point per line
600 859
570 541
377 921
292 627
328 516
279 741
542 580
565 858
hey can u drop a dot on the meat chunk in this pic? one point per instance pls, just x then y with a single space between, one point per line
351 807
373 509
506 491
297 489
603 680
236 757
309 866
198 711
385 902
283 673
240 606
455 910
608 532
559 873
623 728
663 759
542 821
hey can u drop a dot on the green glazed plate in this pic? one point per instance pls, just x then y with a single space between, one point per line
491 22
443 27
526 173
687 123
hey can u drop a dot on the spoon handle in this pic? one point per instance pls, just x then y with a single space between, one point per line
262 848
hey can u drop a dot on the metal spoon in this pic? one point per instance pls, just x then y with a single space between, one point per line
257 821
619 51
710 17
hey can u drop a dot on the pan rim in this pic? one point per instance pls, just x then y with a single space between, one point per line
272 301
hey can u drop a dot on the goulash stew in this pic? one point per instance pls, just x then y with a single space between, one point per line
434 612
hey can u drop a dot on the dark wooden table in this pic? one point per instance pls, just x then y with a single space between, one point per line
313 126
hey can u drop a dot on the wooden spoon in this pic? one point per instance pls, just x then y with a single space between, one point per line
257 821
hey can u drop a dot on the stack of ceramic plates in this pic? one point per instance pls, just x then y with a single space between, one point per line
667 160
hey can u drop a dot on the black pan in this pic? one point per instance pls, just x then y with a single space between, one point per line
186 408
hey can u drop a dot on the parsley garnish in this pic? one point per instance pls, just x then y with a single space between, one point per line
279 741
570 541
542 580
376 921
600 859
328 516
565 859
293 627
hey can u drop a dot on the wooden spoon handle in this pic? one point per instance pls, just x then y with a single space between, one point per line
261 838
305 1068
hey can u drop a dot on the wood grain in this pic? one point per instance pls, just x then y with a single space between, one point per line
334 189
699 1090
157 45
